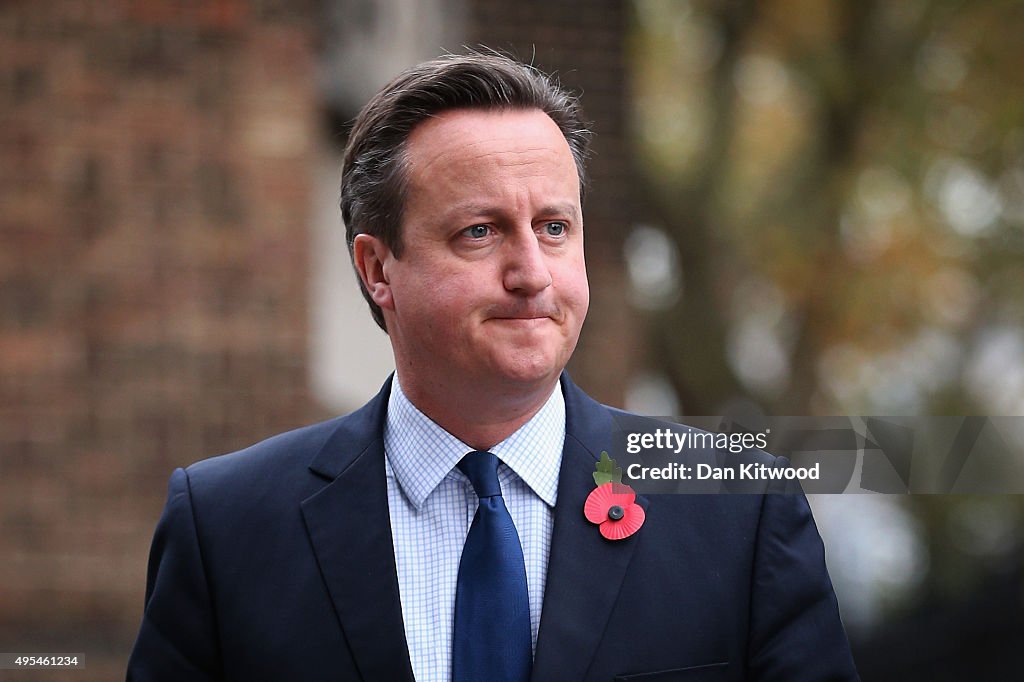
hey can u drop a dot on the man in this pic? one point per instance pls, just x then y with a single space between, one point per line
438 532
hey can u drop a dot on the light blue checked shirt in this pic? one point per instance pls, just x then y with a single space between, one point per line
432 504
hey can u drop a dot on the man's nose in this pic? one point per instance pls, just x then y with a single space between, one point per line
526 267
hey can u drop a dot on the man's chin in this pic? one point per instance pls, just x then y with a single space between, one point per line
527 371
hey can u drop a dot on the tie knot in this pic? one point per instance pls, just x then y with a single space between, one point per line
481 468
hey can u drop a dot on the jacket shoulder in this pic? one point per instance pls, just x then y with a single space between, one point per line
294 459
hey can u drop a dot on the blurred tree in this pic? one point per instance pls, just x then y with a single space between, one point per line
842 187
844 183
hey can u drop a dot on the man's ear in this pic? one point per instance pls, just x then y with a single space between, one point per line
371 257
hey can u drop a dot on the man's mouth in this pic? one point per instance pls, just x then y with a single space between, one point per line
524 315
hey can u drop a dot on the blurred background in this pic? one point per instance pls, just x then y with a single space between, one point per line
806 207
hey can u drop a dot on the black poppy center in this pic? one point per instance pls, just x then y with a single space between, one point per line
616 513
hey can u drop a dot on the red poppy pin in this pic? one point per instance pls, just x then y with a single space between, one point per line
612 504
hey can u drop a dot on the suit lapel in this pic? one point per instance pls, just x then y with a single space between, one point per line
350 530
585 571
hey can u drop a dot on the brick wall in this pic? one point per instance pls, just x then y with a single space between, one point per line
152 284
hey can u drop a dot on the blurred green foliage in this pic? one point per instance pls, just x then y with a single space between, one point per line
844 184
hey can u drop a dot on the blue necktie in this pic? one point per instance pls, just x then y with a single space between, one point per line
492 641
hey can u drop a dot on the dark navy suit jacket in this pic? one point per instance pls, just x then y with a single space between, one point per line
277 563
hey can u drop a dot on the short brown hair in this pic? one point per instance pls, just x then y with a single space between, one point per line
374 176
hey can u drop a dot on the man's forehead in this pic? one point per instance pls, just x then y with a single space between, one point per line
465 126
502 137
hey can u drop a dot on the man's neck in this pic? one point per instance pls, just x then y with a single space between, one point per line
479 419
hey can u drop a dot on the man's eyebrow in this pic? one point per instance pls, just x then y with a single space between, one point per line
471 208
562 209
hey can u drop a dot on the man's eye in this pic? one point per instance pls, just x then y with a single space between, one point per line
477 231
556 229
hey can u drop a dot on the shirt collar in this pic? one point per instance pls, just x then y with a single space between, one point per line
420 454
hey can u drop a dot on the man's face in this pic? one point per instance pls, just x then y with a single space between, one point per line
491 287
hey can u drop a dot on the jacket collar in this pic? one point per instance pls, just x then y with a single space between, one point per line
350 530
585 571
